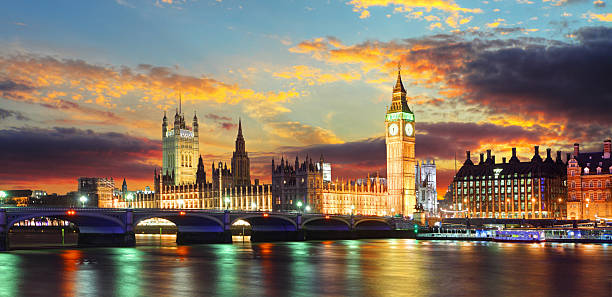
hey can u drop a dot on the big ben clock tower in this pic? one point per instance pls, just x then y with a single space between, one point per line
399 123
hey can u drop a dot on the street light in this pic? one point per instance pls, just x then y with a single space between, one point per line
83 199
129 197
307 208
227 202
3 195
299 205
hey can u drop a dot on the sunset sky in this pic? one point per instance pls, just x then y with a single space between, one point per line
84 84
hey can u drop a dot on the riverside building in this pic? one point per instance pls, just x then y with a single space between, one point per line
513 189
589 178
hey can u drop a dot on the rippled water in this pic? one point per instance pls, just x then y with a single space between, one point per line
387 267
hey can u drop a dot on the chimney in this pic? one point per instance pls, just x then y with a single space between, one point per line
488 155
536 150
504 160
548 156
607 148
576 149
493 159
568 156
558 156
513 152
467 155
481 158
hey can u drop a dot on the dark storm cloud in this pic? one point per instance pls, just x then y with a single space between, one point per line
34 153
4 114
433 140
570 81
442 140
371 150
10 86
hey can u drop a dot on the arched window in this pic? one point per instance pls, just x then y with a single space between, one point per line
573 184
586 170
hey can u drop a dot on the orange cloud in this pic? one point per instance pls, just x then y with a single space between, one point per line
602 17
495 23
53 82
305 134
314 75
409 5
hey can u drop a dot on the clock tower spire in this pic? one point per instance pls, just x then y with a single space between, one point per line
399 123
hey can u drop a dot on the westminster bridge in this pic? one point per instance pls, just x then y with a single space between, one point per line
115 227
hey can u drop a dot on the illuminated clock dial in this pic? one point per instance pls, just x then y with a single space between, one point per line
393 129
409 129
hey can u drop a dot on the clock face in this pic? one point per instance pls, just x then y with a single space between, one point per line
393 129
409 129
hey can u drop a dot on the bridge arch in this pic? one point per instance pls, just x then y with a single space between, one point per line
326 223
185 221
373 224
85 221
271 222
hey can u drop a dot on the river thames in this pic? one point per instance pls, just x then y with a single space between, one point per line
382 267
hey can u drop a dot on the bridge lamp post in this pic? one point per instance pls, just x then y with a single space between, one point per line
253 206
3 195
227 203
129 198
307 208
83 199
299 206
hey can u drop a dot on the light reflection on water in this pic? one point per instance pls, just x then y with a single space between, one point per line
386 267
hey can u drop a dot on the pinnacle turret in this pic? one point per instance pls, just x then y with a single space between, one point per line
399 86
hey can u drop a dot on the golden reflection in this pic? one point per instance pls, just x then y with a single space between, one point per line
71 259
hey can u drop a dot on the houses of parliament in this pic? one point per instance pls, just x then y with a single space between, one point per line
182 180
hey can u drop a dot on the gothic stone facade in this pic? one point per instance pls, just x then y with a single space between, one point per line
427 196
182 184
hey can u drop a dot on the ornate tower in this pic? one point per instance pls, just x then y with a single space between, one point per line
180 150
399 123
241 170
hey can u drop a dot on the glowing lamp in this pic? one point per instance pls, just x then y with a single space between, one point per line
182 213
265 215
327 217
70 212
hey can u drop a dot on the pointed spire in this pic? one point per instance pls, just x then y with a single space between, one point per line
399 86
239 127
180 102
